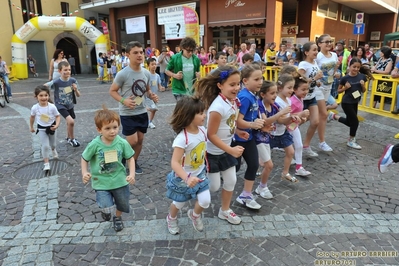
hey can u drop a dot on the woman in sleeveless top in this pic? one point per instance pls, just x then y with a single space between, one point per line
283 53
57 57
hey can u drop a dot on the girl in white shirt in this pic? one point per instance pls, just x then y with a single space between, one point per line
219 92
47 117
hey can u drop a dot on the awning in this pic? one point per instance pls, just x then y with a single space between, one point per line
391 37
237 22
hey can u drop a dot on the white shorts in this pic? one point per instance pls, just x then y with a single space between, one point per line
264 152
322 93
109 70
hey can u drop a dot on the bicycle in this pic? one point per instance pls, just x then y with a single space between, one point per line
3 93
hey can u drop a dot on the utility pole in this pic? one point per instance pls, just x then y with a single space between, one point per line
12 17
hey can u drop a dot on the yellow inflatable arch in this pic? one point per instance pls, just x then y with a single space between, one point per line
34 25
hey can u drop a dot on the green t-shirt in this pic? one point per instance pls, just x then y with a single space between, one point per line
188 69
110 175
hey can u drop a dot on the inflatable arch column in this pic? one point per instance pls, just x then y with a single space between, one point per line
34 25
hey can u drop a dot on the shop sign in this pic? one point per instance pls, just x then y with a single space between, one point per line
235 3
252 32
172 14
289 30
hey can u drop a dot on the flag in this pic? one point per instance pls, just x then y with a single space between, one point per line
70 13
63 14
106 34
18 8
76 11
24 11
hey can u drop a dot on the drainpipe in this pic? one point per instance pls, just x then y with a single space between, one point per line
12 18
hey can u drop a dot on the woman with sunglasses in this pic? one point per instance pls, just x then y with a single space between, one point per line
328 64
57 58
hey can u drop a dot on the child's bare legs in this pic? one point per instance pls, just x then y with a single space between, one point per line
197 208
267 169
321 128
70 126
173 210
151 115
289 154
118 213
314 122
248 185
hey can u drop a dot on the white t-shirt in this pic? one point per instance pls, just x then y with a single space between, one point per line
327 65
194 146
44 116
280 128
227 124
311 71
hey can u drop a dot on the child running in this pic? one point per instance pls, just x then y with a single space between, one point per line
268 94
308 68
353 85
188 179
251 78
107 173
280 137
48 119
219 92
301 89
155 86
66 89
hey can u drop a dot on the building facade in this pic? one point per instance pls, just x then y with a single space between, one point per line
234 21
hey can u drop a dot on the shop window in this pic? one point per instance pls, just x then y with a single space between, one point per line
32 8
348 14
326 8
65 8
222 36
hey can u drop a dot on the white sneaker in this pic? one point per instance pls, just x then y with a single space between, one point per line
249 202
230 216
55 154
151 125
172 225
385 159
330 117
308 151
302 172
264 192
46 167
352 143
324 146
197 221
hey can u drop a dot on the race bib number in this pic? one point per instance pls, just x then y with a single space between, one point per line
44 118
356 94
67 90
110 156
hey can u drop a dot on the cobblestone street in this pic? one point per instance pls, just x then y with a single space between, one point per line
346 205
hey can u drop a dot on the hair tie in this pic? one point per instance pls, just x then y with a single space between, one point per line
224 75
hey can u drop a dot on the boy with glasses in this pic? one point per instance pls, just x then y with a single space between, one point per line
184 68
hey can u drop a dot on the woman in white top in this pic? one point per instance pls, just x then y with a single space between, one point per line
57 57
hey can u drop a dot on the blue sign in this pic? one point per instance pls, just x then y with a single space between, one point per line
358 28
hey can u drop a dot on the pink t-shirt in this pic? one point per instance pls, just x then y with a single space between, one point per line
239 57
296 105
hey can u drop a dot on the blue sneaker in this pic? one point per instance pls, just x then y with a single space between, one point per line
385 159
139 171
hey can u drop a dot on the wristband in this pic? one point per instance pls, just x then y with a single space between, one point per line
122 100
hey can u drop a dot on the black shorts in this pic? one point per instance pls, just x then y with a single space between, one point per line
133 123
65 113
219 163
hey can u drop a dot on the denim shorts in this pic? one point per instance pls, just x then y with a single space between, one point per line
282 141
118 197
100 71
308 103
177 189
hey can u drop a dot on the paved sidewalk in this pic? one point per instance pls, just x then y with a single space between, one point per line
346 205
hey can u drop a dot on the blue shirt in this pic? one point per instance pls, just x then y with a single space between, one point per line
249 108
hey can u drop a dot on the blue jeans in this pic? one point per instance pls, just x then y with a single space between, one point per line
118 197
7 82
164 80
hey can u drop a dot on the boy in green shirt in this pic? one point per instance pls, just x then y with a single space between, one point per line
107 173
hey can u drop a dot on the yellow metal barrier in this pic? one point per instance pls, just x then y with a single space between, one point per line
384 86
12 75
